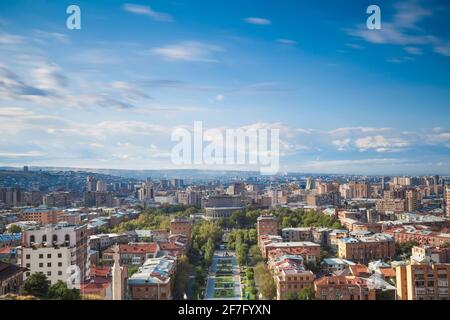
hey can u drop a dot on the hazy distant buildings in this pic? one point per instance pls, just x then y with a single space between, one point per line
447 200
222 206
91 183
57 199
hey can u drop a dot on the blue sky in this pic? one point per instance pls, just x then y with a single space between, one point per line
346 99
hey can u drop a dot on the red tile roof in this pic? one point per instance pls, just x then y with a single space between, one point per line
151 247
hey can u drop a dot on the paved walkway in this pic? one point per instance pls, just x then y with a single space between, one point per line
218 255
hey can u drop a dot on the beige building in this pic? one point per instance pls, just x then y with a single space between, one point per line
379 246
343 288
423 281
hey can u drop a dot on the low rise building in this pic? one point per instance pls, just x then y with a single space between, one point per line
343 288
365 249
132 254
153 281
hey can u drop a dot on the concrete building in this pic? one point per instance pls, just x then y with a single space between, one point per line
57 251
222 206
367 248
181 226
267 225
289 274
153 281
57 199
297 234
447 200
343 288
41 215
423 281
11 278
132 253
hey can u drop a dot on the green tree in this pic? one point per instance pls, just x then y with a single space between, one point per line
404 248
14 229
306 294
290 296
265 281
256 254
60 291
36 285
209 251
132 270
181 280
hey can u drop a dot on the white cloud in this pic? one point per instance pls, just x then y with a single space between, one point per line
147 11
188 51
342 144
220 97
287 41
258 21
404 29
381 144
10 39
413 50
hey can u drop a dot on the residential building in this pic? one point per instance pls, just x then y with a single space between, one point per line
153 281
343 288
11 278
55 250
367 248
424 281
132 253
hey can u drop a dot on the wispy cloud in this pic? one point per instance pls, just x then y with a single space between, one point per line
6 38
258 21
147 11
188 51
287 41
404 29
57 36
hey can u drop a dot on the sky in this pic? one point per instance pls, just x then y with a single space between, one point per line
346 99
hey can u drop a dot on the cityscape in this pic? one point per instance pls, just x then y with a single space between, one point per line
286 237
214 152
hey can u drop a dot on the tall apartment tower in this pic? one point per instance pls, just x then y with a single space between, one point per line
447 200
101 186
412 200
91 183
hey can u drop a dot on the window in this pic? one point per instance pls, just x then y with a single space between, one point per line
55 238
27 257
49 273
32 238
44 238
49 255
67 238
59 264
41 256
49 264
41 265
27 265
59 255
28 273
59 273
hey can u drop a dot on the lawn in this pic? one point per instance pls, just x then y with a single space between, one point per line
224 279
223 293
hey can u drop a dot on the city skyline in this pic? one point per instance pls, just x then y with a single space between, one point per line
345 99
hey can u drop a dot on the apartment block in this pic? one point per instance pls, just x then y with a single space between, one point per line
56 251
368 248
423 281
153 281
